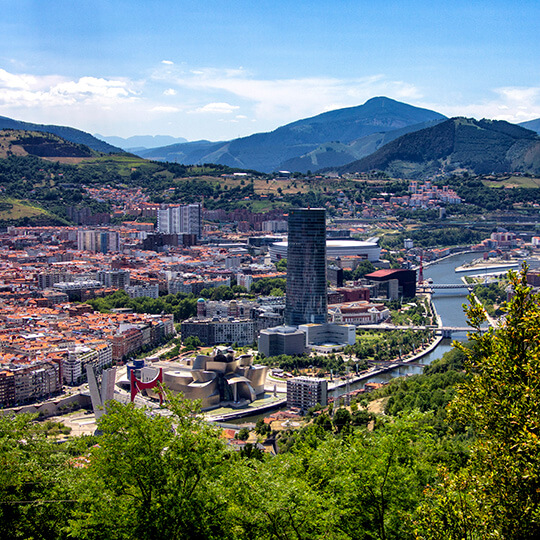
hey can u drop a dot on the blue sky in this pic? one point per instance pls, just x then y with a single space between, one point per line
222 69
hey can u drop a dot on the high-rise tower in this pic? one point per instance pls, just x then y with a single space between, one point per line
306 267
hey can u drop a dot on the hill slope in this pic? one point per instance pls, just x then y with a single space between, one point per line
533 125
68 133
480 146
336 154
41 144
270 151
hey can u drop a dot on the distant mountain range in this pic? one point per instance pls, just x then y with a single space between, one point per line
533 125
381 134
479 146
336 137
141 142
67 133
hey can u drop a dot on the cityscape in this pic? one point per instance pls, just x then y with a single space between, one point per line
269 271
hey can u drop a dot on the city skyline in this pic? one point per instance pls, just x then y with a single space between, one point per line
222 70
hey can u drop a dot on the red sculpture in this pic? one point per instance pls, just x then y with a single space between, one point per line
137 385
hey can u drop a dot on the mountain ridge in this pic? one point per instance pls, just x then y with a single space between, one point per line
268 151
141 142
479 146
70 134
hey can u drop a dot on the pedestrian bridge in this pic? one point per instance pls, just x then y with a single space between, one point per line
444 331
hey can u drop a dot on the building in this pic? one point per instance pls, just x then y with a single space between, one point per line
394 283
358 313
117 279
98 240
180 220
220 330
139 291
282 340
328 336
306 392
216 379
368 249
306 267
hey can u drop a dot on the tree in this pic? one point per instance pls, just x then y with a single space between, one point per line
243 434
342 418
153 476
37 481
192 343
496 494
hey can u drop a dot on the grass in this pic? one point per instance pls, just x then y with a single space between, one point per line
513 181
11 209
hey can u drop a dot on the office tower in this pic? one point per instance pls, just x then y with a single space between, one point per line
306 267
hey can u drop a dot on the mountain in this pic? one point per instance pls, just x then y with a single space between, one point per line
479 146
533 125
141 142
41 144
68 133
336 154
268 152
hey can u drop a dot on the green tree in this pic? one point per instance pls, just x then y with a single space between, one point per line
37 481
153 476
243 434
496 495
191 343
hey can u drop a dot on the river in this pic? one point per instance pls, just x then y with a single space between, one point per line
449 306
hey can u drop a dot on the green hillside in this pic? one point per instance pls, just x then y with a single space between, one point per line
68 133
458 144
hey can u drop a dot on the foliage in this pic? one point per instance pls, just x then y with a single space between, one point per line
290 363
387 345
37 481
192 343
152 476
496 495
491 296
182 306
433 237
265 286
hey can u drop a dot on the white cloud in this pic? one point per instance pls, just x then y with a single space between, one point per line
26 91
164 109
513 104
216 108
169 92
285 100
168 62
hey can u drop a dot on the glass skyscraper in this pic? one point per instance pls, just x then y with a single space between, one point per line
306 267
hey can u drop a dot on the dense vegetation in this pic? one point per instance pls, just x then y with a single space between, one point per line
454 144
430 237
181 305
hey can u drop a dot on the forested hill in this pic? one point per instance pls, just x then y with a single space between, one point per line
68 133
478 146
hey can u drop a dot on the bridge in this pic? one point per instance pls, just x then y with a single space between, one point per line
433 287
445 331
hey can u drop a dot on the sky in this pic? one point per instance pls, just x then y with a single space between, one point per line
217 70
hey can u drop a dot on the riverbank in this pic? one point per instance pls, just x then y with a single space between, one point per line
377 371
